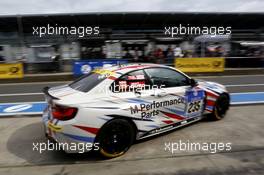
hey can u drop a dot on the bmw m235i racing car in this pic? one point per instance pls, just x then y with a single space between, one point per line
113 106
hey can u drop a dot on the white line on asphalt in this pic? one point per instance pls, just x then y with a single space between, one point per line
224 76
31 102
242 85
247 102
19 94
31 83
238 93
21 113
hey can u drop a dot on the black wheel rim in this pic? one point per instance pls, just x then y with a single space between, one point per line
116 139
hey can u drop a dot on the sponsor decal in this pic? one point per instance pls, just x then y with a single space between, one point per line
194 106
85 69
148 110
54 127
136 77
200 64
138 84
11 70
195 102
17 108
122 85
161 129
104 72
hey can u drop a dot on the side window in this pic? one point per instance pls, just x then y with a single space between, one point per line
131 81
166 77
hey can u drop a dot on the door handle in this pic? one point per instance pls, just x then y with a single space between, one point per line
159 93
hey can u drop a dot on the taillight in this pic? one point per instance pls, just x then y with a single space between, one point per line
63 112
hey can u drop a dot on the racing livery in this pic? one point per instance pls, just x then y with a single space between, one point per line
116 105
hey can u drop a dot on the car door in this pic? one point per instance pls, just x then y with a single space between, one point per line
179 101
131 93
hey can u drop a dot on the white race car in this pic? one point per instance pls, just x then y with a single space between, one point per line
112 107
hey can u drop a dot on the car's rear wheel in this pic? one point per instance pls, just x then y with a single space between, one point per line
221 107
115 138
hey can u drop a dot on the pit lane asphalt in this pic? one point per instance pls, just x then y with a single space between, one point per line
30 92
242 127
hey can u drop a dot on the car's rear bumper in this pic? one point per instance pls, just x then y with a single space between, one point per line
67 137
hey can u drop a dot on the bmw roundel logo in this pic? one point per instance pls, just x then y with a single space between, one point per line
85 69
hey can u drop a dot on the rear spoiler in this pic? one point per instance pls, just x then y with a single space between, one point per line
45 90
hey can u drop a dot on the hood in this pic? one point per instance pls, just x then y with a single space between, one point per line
219 88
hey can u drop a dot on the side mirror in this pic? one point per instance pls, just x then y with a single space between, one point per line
192 82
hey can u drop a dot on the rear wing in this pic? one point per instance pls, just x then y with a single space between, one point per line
47 94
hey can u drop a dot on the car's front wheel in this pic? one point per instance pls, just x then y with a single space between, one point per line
115 138
221 107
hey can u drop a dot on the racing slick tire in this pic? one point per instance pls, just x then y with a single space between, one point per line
220 108
115 138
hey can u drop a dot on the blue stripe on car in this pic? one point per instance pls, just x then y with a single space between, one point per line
135 100
80 138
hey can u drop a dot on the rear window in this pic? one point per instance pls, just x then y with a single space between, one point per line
87 82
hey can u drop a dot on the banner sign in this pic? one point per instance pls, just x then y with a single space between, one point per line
200 64
85 67
11 70
11 109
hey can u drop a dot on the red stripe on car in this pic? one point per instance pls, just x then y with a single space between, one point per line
112 78
89 129
208 110
167 121
131 67
212 94
174 116
210 103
